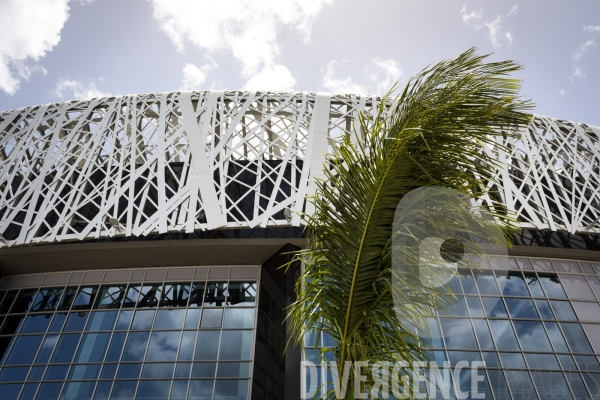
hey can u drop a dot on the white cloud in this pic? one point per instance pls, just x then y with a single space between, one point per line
78 90
591 28
577 73
194 77
339 85
244 28
275 77
562 92
29 29
582 49
496 33
384 74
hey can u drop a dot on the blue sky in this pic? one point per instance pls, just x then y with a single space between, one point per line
56 50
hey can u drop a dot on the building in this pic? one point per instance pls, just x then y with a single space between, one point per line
142 235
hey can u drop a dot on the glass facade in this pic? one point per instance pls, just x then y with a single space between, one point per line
536 327
177 339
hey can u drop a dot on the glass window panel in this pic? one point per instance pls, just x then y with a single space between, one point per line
587 311
494 307
57 322
453 285
520 385
111 296
68 297
587 363
102 321
542 361
65 348
593 384
503 335
239 318
129 371
85 298
512 283
153 390
49 391
11 391
182 370
587 267
123 390
92 347
24 301
544 309
169 319
131 298
78 391
86 371
186 349
475 308
163 346
24 350
149 295
233 370
534 285
595 284
483 334
532 336
207 345
490 359
542 264
143 319
124 320
204 370
512 360
175 295
162 370
135 348
14 374
36 323
197 294
56 372
566 266
464 383
47 299
211 318
192 318
458 356
563 310
567 362
454 306
36 373
109 371
577 386
458 333
12 324
577 287
179 390
552 385
102 390
552 285
215 294
241 293
29 390
201 390
486 283
236 345
438 356
228 389
556 336
7 301
521 308
576 338
467 281
116 346
4 345
76 321
46 349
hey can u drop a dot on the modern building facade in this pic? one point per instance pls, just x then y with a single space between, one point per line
142 238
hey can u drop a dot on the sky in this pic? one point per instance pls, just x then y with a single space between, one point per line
58 50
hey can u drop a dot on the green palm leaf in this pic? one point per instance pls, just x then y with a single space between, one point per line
432 133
